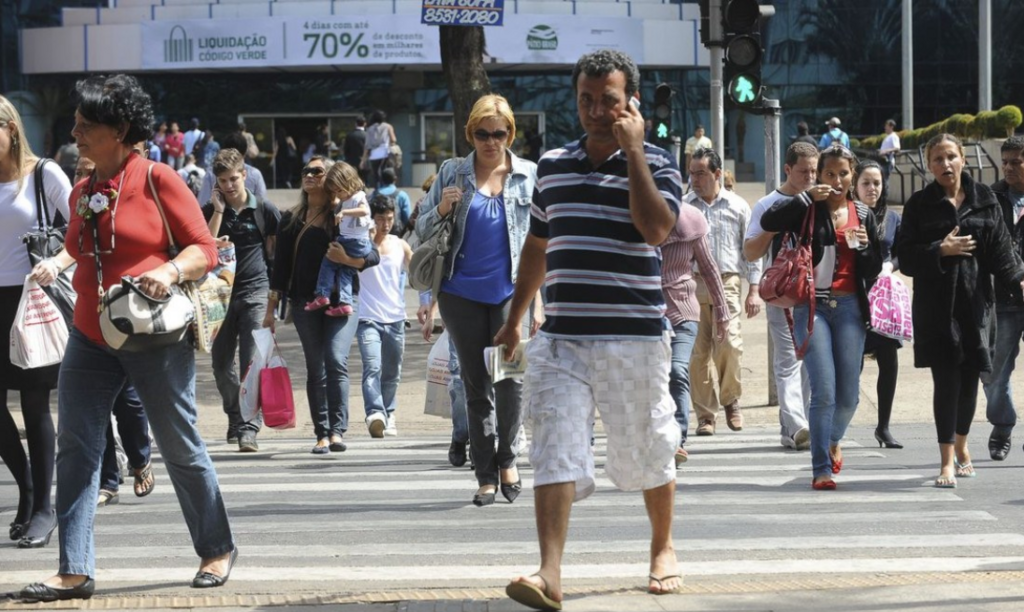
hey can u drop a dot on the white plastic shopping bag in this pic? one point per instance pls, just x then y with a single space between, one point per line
39 334
438 403
890 304
249 394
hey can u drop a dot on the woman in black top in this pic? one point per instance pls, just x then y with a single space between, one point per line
952 240
304 236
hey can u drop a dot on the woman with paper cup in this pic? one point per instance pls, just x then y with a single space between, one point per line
490 192
843 270
19 195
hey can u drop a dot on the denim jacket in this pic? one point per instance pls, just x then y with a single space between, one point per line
517 193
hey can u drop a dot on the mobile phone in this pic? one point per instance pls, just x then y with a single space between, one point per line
635 102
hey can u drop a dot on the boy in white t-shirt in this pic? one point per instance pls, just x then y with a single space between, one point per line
353 219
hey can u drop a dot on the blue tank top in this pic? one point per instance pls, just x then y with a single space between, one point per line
483 265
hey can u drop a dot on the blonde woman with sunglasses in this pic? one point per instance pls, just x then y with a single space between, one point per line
489 192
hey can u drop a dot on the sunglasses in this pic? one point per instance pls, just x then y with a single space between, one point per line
484 135
312 171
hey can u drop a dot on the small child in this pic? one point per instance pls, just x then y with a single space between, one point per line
353 219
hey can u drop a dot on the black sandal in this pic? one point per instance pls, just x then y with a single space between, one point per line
145 482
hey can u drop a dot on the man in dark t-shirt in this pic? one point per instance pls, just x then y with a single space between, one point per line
241 221
355 142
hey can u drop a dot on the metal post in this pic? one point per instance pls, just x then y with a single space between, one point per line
772 136
908 64
984 55
717 104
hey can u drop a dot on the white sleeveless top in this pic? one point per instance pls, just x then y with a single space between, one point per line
381 295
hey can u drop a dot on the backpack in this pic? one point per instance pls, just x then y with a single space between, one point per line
194 182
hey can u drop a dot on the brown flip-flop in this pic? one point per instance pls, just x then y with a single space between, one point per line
531 595
660 590
145 481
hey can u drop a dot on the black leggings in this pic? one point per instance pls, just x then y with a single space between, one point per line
887 358
33 474
956 397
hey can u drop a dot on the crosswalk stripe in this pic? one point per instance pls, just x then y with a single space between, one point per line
606 499
432 574
283 521
687 547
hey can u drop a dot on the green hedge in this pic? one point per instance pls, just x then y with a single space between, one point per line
986 124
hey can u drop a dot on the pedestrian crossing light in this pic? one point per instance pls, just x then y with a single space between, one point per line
662 120
741 26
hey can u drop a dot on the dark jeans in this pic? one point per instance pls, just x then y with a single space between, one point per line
133 426
1001 412
679 375
326 342
495 411
954 402
91 378
245 315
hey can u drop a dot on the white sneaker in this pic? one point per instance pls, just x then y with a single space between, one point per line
392 428
803 439
376 423
800 441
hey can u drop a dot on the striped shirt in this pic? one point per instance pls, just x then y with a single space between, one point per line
686 244
603 280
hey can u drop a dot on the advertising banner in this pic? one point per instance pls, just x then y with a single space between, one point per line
463 12
562 39
374 40
361 39
212 44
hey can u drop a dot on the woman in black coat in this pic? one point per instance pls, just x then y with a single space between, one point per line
847 257
952 241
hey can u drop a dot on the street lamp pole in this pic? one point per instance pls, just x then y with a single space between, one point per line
908 64
984 55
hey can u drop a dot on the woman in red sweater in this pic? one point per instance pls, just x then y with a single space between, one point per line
116 230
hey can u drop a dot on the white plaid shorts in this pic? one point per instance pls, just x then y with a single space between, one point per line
627 381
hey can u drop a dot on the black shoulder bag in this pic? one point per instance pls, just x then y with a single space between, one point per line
46 241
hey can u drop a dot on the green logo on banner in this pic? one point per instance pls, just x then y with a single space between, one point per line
542 38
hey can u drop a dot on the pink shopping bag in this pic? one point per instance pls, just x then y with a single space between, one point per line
276 399
889 300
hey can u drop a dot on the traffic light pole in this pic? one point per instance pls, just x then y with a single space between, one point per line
717 88
772 134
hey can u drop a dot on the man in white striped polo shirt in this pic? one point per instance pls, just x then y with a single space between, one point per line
601 207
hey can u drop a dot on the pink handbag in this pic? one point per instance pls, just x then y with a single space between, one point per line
276 399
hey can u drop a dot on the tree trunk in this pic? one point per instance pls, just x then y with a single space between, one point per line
462 60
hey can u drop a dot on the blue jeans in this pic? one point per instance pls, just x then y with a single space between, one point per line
326 342
133 426
679 376
91 377
244 316
457 394
381 346
335 276
833 368
1000 412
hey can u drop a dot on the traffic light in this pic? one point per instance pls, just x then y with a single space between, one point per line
661 128
741 25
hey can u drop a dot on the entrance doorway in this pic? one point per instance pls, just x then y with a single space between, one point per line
280 159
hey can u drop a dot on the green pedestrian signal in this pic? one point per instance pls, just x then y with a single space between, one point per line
662 131
743 90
